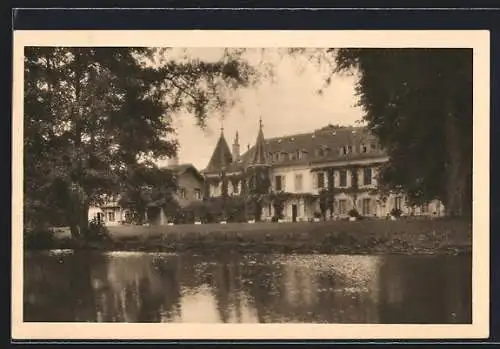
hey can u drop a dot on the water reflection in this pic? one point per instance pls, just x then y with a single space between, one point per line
235 288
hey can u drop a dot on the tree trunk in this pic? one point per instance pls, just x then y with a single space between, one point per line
456 184
72 216
84 218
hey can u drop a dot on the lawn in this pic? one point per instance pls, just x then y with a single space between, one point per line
365 236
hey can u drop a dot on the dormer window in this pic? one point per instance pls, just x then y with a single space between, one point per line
285 156
293 156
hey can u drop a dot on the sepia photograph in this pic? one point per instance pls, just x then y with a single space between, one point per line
272 184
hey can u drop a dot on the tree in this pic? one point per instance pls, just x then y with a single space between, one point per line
258 187
92 113
419 104
145 185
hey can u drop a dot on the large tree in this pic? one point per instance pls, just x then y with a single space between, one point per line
91 113
419 103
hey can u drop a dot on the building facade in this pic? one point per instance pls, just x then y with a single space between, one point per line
333 170
190 185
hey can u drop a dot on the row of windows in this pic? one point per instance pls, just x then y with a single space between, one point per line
320 180
197 193
320 152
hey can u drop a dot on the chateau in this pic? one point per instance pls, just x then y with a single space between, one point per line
340 163
329 172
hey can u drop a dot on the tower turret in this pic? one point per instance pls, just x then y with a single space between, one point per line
236 148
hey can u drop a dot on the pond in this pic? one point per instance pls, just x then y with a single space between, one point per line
68 286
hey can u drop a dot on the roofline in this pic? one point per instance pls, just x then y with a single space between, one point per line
190 166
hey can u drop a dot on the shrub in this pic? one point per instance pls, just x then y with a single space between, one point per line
97 231
354 213
317 214
38 238
396 212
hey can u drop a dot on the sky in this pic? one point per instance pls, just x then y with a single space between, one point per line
289 104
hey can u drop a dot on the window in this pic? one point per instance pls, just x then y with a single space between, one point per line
364 148
321 180
235 188
111 216
285 156
342 206
343 178
366 207
321 152
397 203
367 176
292 156
278 184
299 154
182 192
373 146
197 194
298 182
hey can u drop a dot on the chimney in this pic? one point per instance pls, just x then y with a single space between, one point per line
174 161
236 148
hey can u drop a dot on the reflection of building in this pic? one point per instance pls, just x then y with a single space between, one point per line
334 164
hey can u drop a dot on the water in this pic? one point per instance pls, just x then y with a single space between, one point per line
234 288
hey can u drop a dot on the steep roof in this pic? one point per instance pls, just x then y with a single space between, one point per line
259 156
182 168
323 145
221 157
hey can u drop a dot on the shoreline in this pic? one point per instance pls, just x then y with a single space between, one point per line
405 236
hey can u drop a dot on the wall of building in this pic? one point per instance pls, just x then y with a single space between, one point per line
109 215
190 184
289 173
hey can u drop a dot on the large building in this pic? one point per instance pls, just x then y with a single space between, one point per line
340 162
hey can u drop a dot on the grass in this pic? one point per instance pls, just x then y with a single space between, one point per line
410 236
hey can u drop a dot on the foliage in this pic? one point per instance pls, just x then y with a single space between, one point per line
144 186
419 104
97 231
278 200
326 201
92 114
36 238
258 186
354 213
396 212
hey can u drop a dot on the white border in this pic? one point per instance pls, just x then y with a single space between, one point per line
478 40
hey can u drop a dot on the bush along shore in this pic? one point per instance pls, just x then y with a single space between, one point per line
436 236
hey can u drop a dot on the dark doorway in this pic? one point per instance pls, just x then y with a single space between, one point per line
100 217
294 213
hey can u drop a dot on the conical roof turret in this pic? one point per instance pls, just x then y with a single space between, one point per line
259 157
221 157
